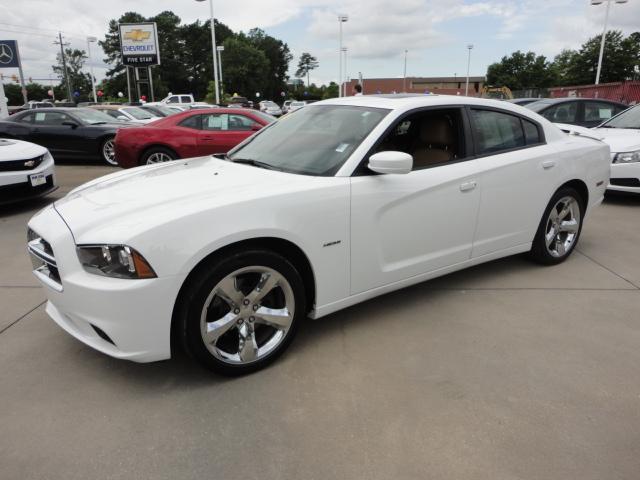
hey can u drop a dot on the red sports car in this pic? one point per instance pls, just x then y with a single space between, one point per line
188 134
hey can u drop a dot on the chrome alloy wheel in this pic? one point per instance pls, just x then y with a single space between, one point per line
158 157
562 227
247 315
108 152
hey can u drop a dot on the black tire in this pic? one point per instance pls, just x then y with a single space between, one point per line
107 157
198 290
162 154
539 252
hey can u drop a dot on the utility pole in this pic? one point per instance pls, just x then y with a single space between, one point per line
404 77
64 65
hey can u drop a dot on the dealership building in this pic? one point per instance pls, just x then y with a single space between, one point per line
444 85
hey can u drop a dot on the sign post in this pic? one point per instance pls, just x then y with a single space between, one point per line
10 58
4 110
139 47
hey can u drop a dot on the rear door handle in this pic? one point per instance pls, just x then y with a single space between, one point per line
465 187
547 164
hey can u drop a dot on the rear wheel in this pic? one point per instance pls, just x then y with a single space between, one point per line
107 150
560 228
241 312
157 155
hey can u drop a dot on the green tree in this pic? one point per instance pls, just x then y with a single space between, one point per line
521 71
279 56
79 80
245 67
307 63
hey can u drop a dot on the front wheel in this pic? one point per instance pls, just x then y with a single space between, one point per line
241 312
108 152
559 228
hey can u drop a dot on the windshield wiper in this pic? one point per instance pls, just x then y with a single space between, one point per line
255 163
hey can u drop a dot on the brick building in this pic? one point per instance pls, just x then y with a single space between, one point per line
443 85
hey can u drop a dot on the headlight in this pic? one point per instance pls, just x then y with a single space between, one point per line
627 157
117 261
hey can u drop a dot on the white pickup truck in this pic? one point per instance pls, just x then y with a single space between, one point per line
175 99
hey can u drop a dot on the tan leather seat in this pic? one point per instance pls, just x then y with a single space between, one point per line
436 142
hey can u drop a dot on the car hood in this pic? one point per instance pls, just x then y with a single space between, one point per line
620 139
18 150
131 201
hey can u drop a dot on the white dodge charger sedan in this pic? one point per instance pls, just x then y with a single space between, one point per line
339 202
26 171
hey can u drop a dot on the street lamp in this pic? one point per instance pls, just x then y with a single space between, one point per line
341 19
344 91
466 88
213 51
91 40
604 32
220 48
404 77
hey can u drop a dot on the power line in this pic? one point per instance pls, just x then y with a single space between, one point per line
36 28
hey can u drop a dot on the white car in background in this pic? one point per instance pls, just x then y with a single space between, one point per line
126 113
271 108
26 171
296 105
622 134
346 200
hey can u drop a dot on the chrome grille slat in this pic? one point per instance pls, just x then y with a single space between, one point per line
44 262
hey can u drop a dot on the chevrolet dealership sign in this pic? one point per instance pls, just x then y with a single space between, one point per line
139 44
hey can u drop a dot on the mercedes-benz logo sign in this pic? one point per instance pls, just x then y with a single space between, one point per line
6 54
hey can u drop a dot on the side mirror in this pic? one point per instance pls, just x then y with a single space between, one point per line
71 124
391 162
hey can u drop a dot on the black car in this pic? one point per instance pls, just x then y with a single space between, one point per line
586 112
71 133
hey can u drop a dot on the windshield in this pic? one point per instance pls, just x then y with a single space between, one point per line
297 104
628 119
311 141
91 116
164 110
537 106
264 116
270 104
138 113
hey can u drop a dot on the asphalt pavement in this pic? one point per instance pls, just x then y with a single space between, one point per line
508 370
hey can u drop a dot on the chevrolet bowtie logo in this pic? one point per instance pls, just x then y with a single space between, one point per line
30 163
137 35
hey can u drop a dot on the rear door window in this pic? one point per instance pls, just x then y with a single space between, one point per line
496 131
566 112
185 99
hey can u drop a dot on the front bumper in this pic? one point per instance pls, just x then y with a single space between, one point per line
625 177
15 186
127 319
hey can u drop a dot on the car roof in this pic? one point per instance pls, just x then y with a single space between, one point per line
552 101
108 107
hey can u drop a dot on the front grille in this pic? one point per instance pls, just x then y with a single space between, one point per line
43 260
16 191
19 165
625 182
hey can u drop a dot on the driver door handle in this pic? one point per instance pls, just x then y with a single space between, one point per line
548 164
467 186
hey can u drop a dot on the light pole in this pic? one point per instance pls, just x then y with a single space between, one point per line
404 77
341 19
604 32
466 88
220 48
346 75
91 40
213 51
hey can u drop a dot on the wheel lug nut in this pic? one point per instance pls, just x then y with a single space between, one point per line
246 301
240 321
236 311
251 319
255 307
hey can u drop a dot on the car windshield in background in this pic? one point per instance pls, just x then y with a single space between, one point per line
297 104
166 110
537 106
138 113
311 141
628 119
269 104
264 116
91 116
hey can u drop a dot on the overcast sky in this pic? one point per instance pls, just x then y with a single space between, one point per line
435 32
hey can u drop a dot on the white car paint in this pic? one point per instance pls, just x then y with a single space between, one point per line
12 175
363 235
